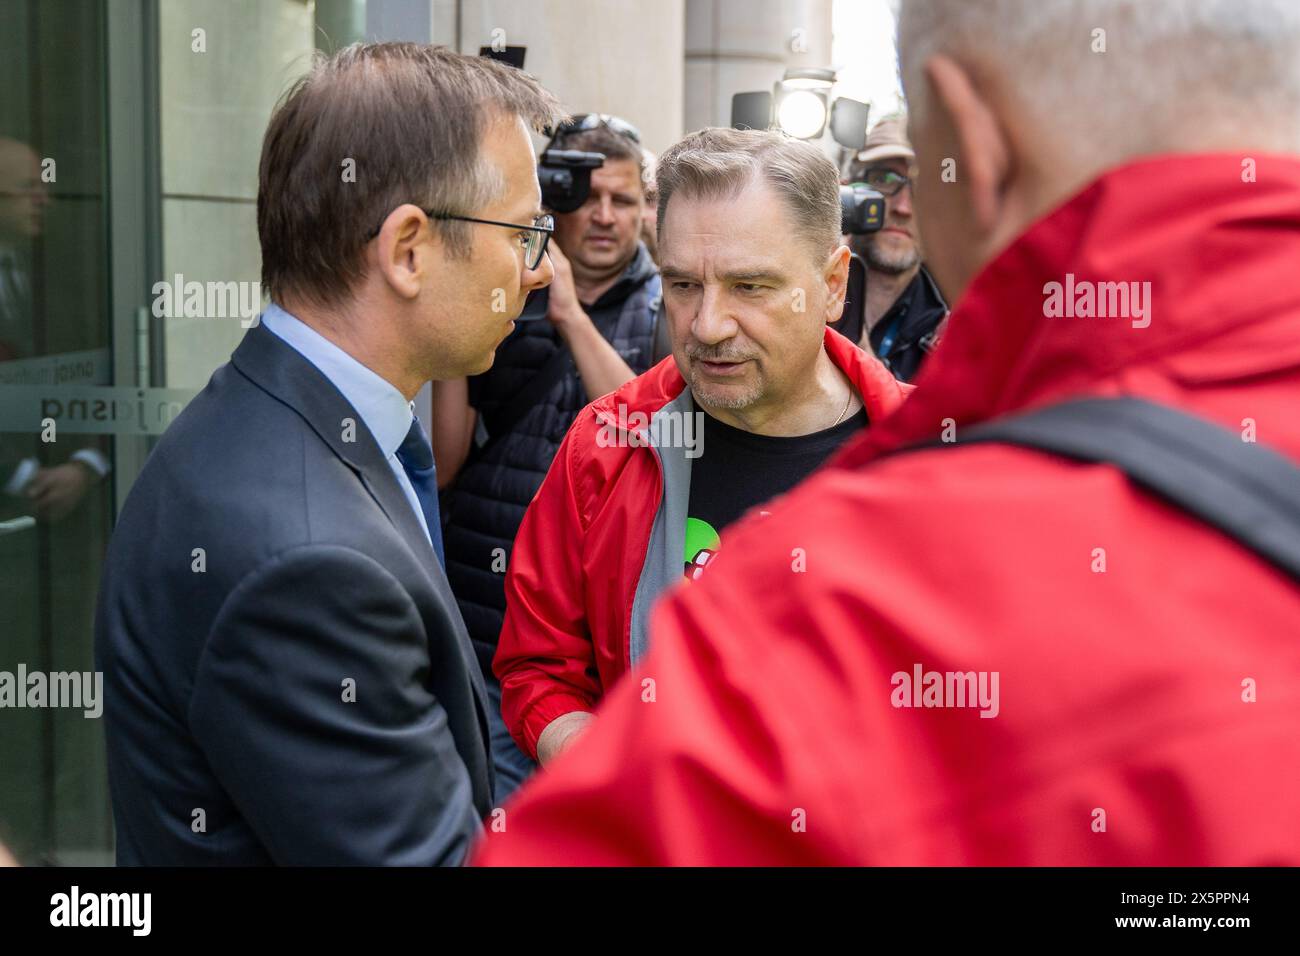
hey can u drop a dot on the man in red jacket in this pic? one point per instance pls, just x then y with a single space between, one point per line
1134 692
757 394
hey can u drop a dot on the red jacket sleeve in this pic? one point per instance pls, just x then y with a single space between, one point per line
691 769
545 660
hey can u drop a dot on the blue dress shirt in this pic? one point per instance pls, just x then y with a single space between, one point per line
381 406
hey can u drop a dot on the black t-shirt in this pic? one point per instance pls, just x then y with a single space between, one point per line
738 470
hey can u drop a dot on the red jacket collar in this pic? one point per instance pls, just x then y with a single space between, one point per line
1223 260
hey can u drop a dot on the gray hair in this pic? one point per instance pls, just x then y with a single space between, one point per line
717 163
1175 74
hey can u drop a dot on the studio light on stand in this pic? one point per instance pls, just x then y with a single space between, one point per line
802 104
802 100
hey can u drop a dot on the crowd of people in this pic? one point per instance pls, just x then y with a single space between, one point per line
729 543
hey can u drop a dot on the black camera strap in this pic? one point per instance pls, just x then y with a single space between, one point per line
1246 490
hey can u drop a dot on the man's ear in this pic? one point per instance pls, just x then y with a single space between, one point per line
983 159
396 247
836 274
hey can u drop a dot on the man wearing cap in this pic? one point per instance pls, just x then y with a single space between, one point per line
902 316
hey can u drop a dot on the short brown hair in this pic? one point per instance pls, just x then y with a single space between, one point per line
605 141
716 163
406 120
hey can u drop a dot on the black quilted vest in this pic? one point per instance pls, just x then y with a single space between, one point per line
484 507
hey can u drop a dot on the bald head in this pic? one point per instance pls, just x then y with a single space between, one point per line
1035 99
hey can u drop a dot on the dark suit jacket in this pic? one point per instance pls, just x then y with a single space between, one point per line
261 566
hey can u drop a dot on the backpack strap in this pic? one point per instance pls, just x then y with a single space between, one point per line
1246 490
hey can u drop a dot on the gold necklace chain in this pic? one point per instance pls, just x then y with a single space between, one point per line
846 407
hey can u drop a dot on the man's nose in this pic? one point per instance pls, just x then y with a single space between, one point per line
604 213
540 277
713 322
901 204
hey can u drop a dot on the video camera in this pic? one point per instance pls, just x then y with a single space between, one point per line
862 209
565 177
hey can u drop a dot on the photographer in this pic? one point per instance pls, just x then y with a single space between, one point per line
494 435
904 310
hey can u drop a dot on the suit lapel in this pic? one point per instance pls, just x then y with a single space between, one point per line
278 368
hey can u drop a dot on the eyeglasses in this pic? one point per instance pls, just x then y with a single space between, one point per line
885 181
589 121
533 238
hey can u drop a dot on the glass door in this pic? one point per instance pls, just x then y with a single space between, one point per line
75 158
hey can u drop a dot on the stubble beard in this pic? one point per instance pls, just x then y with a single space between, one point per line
878 260
731 397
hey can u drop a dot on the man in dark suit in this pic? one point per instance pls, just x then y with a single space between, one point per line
288 679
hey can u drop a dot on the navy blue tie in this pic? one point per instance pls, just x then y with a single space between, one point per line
416 457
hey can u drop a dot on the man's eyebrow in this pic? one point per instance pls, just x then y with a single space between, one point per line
675 272
738 275
527 214
753 275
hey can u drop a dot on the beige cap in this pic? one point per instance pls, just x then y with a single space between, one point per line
887 140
